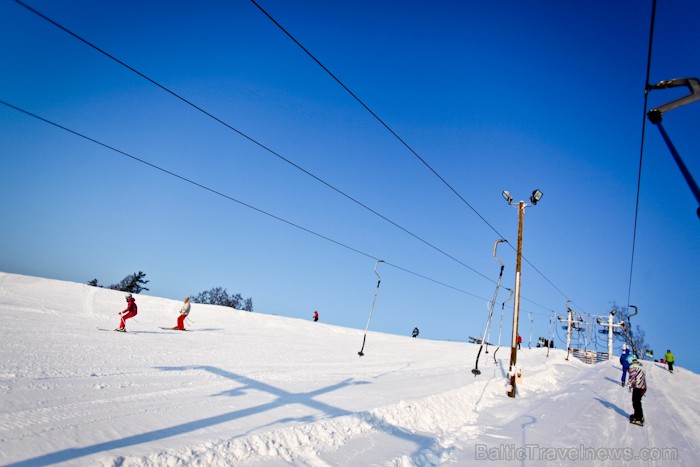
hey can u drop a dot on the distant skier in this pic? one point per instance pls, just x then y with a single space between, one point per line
315 316
184 311
670 360
520 341
415 332
130 312
638 386
625 363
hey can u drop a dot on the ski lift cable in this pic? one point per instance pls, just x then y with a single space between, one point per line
401 140
382 122
641 147
252 140
262 146
229 198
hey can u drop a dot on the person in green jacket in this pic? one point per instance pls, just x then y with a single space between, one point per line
670 360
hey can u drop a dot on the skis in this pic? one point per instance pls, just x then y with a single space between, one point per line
173 329
114 330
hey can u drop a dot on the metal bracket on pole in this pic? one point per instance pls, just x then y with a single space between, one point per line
655 116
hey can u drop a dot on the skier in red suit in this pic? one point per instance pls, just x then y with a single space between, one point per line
130 312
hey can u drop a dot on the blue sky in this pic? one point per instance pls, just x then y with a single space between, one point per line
512 96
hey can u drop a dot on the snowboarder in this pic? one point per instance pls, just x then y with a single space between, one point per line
638 386
184 311
415 332
315 316
130 312
625 363
670 360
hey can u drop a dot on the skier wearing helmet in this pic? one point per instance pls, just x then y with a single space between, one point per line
130 312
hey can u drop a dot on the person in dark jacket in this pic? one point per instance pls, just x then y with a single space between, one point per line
638 386
130 312
415 332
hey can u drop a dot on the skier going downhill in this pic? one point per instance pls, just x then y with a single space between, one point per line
130 312
184 311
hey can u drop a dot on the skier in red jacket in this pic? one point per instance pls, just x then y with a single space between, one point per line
130 312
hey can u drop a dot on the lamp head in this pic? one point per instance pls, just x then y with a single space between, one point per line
507 196
535 197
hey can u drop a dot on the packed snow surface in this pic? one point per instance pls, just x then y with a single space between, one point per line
249 389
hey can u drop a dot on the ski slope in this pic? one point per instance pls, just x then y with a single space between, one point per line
248 389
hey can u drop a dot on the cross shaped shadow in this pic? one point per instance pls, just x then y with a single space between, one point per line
282 398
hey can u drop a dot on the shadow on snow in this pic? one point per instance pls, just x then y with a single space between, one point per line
282 398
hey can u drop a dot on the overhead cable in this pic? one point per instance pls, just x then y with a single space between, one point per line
641 147
230 198
249 138
401 140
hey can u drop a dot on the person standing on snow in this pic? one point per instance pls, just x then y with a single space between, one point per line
520 341
625 363
670 360
638 386
184 311
315 316
130 312
415 332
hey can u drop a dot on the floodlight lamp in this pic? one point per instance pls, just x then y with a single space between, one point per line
507 196
613 312
536 196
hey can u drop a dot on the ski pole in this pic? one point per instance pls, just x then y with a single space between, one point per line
379 281
476 370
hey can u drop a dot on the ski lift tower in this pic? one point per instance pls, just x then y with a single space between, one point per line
534 199
611 325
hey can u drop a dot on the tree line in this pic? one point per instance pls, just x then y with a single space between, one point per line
136 283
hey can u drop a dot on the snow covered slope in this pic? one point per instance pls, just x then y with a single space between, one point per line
250 389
